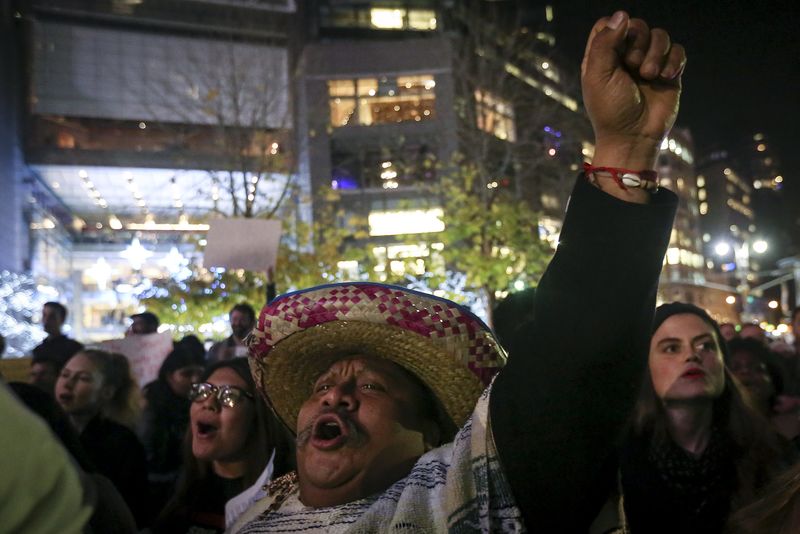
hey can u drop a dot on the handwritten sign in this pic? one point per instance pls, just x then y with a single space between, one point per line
146 352
250 244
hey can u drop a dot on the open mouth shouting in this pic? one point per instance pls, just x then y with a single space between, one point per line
205 430
329 432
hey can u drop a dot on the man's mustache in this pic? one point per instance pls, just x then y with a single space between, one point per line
355 435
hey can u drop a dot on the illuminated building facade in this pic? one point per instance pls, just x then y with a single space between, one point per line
383 104
124 116
729 227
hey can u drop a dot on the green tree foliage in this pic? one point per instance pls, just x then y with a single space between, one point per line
491 240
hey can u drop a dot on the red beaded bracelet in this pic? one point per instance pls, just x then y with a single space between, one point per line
625 178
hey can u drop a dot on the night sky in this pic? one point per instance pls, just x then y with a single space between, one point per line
742 75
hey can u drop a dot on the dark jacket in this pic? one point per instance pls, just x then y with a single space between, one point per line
163 428
117 453
560 405
57 349
205 511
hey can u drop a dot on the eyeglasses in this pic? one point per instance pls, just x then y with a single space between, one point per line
228 396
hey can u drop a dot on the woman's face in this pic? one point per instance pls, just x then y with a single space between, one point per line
753 374
180 380
79 387
219 433
685 360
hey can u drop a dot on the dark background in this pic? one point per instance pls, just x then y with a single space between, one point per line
742 74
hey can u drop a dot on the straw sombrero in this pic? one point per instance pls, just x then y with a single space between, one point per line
299 335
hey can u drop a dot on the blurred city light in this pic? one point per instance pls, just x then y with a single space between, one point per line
722 249
760 246
730 299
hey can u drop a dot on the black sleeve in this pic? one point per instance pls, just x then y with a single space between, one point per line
271 291
129 473
559 406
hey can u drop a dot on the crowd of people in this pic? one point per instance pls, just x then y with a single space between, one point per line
362 407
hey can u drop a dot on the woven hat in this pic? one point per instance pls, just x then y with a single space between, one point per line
299 336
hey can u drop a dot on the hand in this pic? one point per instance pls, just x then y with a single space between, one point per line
631 79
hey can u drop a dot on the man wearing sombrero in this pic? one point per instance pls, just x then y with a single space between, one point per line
399 425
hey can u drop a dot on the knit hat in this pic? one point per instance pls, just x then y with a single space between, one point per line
300 335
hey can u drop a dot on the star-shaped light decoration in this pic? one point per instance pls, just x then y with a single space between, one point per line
100 272
136 254
175 263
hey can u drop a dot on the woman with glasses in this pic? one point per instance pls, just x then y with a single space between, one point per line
231 437
697 450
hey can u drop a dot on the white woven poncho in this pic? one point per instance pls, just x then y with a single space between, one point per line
459 487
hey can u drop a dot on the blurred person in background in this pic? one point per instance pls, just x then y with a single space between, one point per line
94 388
697 450
243 319
754 331
143 323
165 419
44 373
753 365
51 354
728 331
231 438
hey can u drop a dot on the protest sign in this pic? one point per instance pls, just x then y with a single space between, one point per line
250 244
145 352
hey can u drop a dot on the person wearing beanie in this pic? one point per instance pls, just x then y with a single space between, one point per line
165 419
697 449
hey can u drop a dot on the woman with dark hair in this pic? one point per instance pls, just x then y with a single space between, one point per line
696 450
231 438
94 388
165 418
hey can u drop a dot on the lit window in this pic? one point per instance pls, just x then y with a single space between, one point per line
701 194
701 181
389 99
673 255
405 222
421 19
494 116
387 19
341 88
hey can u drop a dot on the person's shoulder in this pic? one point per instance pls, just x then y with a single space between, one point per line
73 343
